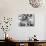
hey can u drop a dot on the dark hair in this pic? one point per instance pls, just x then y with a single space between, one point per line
34 35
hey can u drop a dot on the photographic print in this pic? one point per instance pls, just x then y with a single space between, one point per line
26 20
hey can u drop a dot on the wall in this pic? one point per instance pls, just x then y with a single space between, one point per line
13 8
45 27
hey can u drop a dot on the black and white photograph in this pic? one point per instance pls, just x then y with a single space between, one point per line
26 20
22 22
